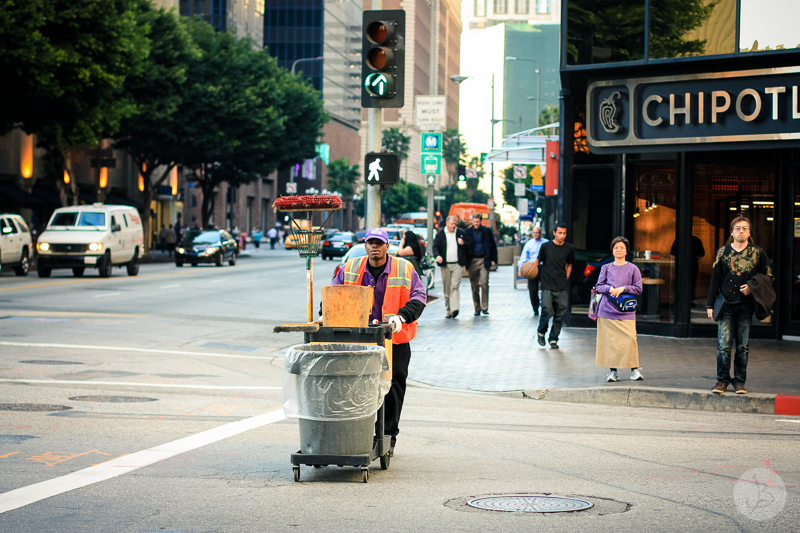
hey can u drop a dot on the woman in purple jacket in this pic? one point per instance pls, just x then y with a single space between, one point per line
616 330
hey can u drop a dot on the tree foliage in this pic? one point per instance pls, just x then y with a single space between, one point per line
403 197
342 178
454 150
396 142
508 190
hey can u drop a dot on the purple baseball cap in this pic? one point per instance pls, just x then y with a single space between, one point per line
377 233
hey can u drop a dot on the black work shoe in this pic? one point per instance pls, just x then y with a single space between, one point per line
485 312
541 339
554 345
477 313
455 313
536 313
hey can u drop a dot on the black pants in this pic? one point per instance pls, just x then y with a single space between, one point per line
401 357
533 290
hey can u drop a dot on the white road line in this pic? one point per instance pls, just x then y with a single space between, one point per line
23 496
218 281
170 286
139 384
107 294
794 421
125 349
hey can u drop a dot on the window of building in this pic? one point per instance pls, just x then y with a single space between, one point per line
542 7
654 238
769 25
676 31
522 7
500 7
480 8
604 32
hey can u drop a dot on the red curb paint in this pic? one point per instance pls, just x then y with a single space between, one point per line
787 405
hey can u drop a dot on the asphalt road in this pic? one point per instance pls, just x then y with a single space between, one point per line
169 383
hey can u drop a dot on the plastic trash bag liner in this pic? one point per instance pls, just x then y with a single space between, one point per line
335 381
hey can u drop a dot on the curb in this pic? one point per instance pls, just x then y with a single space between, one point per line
770 404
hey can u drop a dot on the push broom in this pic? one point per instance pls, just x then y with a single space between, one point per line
308 240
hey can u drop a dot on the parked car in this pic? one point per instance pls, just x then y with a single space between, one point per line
95 236
15 244
206 246
361 235
338 245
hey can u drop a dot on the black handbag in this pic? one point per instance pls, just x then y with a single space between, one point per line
719 303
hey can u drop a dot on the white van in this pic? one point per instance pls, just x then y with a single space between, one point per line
15 243
95 236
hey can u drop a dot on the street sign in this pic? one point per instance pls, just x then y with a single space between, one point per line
430 112
490 203
472 173
519 172
519 189
483 156
291 188
537 179
431 180
381 168
440 197
431 164
522 206
431 143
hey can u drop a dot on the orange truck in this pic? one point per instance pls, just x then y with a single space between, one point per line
464 211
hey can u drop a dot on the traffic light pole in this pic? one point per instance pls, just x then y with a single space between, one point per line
373 195
432 90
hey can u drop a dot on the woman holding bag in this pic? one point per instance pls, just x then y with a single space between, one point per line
616 329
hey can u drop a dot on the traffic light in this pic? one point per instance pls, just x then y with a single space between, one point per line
438 214
462 173
383 58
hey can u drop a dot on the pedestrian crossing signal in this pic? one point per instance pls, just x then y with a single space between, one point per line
383 58
381 168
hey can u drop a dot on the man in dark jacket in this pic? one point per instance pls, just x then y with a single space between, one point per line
451 250
483 251
734 265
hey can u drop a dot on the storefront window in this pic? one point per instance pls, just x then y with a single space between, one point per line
769 25
796 253
692 28
653 243
602 32
722 191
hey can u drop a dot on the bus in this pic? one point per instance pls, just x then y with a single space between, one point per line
464 212
418 220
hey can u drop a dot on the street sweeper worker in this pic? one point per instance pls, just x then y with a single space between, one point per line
400 298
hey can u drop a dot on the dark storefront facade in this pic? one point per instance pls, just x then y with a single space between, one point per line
668 134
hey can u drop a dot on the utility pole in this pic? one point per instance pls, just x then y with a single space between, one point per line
373 196
491 165
432 90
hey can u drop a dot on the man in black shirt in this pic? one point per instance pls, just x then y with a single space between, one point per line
555 265
483 251
734 264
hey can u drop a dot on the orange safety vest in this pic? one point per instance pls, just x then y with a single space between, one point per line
398 291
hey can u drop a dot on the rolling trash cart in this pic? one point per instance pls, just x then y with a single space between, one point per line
335 384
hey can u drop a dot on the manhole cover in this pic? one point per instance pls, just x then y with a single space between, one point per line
32 407
112 399
50 362
528 503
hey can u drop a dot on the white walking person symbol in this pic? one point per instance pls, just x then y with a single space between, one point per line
374 167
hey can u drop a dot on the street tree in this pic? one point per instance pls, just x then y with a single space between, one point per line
549 115
396 142
64 63
151 135
342 178
403 197
242 117
454 150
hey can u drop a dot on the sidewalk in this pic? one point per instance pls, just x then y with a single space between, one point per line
499 353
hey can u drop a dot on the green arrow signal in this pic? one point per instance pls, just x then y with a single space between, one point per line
376 84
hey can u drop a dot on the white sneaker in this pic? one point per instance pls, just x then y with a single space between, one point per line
636 375
612 376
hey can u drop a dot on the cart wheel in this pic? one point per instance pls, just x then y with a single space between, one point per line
365 474
385 460
296 473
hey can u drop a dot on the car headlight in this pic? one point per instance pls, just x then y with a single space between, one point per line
95 246
211 250
181 251
43 247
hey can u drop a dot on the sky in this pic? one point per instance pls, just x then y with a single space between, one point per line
759 22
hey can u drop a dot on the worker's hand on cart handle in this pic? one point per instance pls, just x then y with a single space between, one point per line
396 322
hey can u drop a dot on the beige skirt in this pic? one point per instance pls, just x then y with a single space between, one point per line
616 344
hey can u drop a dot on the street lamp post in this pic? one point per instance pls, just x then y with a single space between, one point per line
538 84
296 61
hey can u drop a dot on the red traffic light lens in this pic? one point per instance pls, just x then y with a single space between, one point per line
438 213
377 32
377 58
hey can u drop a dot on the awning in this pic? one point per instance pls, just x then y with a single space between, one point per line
527 147
19 197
